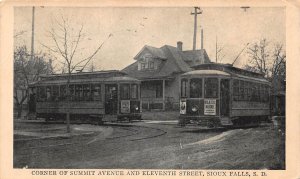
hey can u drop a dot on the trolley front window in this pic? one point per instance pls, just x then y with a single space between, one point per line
196 88
184 88
124 91
134 91
211 87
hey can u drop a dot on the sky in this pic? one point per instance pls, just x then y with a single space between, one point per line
133 28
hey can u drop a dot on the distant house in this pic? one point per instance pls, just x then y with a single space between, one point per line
159 70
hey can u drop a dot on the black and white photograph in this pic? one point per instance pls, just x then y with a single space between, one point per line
180 88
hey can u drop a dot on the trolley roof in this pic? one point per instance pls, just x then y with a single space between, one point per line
83 78
206 72
216 69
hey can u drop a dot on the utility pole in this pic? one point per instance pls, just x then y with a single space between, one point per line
216 49
197 10
32 34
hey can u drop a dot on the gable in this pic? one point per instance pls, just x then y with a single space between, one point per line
155 52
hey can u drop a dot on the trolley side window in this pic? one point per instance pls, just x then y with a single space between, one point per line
96 92
242 91
124 91
72 92
63 92
42 93
211 88
266 93
86 89
236 90
134 91
196 88
48 93
184 88
78 92
55 93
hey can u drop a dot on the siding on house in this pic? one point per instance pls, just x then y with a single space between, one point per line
168 63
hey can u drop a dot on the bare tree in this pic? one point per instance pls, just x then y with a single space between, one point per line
268 60
259 57
66 45
27 71
219 52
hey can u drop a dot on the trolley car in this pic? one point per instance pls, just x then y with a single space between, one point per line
218 95
93 95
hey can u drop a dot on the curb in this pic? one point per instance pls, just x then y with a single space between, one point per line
57 137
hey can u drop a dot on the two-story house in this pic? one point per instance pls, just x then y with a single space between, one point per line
159 70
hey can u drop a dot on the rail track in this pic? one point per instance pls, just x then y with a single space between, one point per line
122 132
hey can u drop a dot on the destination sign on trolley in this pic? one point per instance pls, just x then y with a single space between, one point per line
125 106
209 107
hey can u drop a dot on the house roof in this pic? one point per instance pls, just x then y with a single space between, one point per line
156 52
196 57
173 61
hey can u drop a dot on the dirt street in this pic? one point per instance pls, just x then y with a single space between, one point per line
148 145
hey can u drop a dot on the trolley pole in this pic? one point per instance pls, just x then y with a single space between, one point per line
195 13
32 34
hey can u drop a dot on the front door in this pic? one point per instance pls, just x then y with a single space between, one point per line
224 97
111 99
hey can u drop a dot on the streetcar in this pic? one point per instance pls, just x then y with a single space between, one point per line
92 96
220 95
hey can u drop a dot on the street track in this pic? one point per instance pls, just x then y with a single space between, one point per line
132 133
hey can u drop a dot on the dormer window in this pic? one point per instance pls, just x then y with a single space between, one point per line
143 66
146 62
151 64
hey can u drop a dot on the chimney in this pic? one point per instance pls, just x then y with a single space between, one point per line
201 39
179 45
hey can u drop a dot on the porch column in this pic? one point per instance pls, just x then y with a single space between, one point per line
163 93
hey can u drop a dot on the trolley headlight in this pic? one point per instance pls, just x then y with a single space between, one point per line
194 108
136 108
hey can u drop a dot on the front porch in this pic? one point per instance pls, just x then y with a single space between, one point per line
159 94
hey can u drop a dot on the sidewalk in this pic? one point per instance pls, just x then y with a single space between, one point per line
160 115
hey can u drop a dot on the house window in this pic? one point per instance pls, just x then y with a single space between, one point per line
146 62
151 65
143 66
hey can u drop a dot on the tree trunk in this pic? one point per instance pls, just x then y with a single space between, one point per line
68 121
68 99
19 110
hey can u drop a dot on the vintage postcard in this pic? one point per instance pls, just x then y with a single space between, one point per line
149 89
